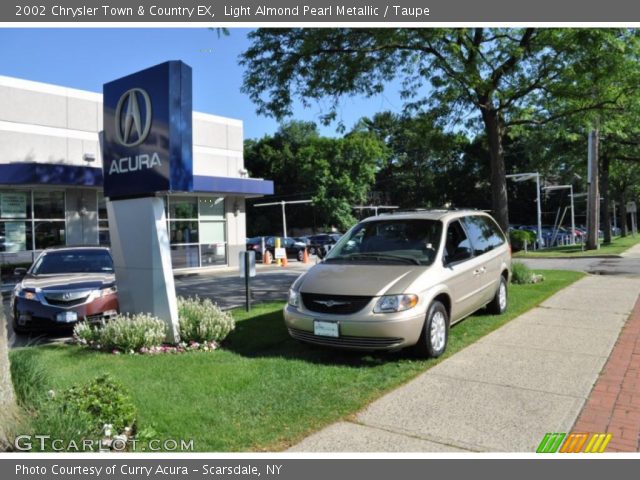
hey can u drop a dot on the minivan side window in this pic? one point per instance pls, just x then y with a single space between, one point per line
457 246
484 234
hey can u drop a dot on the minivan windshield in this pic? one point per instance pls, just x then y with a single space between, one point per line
393 241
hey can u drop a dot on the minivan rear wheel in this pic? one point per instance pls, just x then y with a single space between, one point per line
500 301
435 332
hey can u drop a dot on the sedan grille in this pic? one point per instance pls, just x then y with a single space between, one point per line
68 298
338 304
365 343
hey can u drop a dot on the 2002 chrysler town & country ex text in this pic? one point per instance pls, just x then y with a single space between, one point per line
400 280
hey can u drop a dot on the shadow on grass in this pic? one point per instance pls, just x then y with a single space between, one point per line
266 336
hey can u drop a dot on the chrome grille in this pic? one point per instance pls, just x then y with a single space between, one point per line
338 304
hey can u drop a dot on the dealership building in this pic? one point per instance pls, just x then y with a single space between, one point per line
51 179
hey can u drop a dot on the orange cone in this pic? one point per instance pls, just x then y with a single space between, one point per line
305 256
267 258
284 261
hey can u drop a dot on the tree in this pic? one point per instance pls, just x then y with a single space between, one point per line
7 396
335 173
495 78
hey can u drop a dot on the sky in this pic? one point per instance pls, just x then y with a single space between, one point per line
86 58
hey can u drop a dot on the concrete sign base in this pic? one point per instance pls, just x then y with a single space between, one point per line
142 260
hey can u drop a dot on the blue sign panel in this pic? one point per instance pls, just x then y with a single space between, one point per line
147 144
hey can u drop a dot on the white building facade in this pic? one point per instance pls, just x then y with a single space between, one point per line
51 179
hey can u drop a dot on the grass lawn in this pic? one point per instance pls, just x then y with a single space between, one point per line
263 390
617 246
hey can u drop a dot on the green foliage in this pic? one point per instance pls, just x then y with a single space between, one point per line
103 401
335 172
499 81
521 274
29 378
125 333
203 321
517 239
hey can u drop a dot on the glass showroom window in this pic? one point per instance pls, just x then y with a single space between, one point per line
103 221
49 218
16 215
213 235
183 231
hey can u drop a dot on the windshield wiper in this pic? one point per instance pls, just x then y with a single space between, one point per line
384 256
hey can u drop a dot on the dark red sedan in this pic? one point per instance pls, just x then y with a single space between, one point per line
65 285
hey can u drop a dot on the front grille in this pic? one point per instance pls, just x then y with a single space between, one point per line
344 304
346 341
66 303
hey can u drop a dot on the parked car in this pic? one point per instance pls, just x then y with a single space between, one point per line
295 249
400 280
317 242
65 285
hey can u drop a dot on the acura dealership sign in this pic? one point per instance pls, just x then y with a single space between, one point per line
147 144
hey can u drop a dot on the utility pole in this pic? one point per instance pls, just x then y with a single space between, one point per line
593 198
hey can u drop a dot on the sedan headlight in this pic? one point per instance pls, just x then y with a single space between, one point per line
24 293
395 303
294 298
108 291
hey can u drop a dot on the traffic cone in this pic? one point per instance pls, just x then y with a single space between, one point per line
267 258
305 256
284 261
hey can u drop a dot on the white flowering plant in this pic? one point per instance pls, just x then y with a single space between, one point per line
202 321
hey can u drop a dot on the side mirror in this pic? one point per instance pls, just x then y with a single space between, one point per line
20 272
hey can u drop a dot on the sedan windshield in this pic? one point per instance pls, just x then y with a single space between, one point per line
394 241
80 261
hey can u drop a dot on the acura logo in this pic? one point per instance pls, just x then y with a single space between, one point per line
132 118
330 303
66 296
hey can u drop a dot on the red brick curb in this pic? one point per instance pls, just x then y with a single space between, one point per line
614 403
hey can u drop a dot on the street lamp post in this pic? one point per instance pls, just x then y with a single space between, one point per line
282 203
521 177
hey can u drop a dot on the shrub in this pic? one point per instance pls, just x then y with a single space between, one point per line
29 376
103 401
201 320
125 332
517 239
521 274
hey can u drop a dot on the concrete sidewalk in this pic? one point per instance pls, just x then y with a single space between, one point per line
504 392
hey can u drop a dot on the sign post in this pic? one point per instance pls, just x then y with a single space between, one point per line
247 266
147 149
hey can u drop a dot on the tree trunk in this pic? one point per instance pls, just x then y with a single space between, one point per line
499 200
623 216
7 396
605 196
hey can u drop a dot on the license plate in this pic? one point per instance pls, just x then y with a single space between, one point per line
325 329
66 317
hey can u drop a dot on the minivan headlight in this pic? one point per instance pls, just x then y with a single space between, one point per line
395 303
294 298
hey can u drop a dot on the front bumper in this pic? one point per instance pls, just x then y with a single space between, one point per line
30 315
360 331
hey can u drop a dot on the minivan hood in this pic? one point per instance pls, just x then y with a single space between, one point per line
73 281
366 280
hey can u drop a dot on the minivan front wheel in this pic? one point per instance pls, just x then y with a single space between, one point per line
501 300
435 332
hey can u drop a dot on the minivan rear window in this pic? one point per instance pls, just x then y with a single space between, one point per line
393 241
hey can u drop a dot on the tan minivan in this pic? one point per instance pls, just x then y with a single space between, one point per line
400 280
